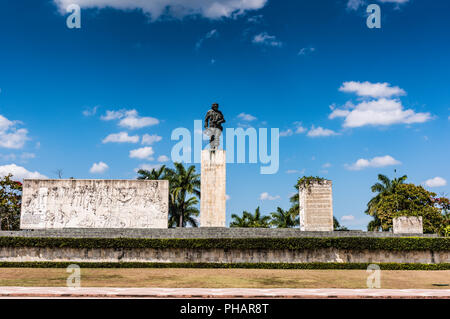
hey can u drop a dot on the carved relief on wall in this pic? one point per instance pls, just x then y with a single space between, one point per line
94 204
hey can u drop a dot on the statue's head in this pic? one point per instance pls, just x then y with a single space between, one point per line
215 106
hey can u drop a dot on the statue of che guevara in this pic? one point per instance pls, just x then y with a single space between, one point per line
213 125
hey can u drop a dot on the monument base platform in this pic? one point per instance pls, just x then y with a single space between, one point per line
194 247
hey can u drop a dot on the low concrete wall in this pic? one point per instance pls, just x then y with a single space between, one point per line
208 232
21 254
200 255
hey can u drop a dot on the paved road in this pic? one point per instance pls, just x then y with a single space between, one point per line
98 292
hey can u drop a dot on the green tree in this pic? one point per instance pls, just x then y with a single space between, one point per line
250 220
182 182
337 226
243 221
184 211
384 187
154 174
285 219
409 200
10 203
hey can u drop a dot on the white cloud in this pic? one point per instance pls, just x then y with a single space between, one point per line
211 34
98 168
227 197
211 9
121 137
375 90
347 218
326 165
435 182
256 19
338 113
10 136
163 158
20 172
320 132
90 111
287 132
129 119
266 39
113 115
305 51
133 121
246 117
354 4
267 196
379 112
142 153
380 161
299 129
150 139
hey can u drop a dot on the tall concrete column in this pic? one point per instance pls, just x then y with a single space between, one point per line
316 206
213 194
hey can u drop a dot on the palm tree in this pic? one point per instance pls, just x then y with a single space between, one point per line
337 226
249 220
154 174
184 211
385 186
182 182
285 219
243 221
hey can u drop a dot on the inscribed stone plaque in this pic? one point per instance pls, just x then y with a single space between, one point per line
408 225
316 206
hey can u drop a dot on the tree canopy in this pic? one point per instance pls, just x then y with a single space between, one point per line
183 182
395 198
10 203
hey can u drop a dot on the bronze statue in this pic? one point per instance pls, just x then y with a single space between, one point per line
213 125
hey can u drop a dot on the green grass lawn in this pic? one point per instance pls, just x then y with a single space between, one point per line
223 278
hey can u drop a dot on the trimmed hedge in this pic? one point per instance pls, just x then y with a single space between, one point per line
353 243
383 266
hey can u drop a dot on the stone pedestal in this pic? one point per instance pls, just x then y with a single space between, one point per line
213 195
316 206
408 225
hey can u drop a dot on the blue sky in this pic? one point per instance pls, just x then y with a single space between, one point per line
350 102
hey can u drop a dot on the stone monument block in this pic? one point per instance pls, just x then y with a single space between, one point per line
316 206
213 193
408 225
99 203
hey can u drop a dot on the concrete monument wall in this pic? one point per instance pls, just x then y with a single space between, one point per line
316 206
213 182
408 225
186 255
53 204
